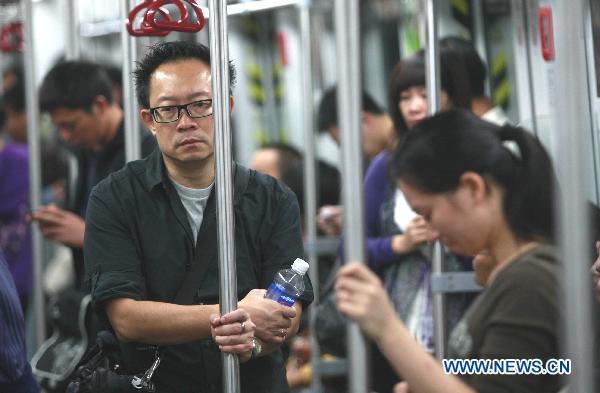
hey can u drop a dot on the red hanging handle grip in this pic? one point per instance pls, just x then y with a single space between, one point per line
145 28
11 37
165 24
182 24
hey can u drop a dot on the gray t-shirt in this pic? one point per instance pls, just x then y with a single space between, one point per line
194 200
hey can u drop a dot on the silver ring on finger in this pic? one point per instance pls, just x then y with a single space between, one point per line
243 325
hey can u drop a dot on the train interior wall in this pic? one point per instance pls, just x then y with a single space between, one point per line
266 50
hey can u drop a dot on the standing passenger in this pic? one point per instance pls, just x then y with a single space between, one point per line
15 233
397 244
475 70
153 223
377 130
78 97
481 187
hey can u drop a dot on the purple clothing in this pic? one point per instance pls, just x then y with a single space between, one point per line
377 189
15 371
15 232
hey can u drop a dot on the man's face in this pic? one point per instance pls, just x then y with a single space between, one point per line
16 125
78 127
373 139
176 83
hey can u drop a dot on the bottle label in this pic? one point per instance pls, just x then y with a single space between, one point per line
277 293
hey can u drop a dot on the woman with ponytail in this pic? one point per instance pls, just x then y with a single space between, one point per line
481 187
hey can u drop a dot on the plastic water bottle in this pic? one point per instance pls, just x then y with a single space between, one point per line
288 284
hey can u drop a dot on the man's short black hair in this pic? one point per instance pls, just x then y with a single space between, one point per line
115 74
327 116
167 52
74 85
475 67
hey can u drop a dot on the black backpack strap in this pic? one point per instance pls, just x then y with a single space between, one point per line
189 286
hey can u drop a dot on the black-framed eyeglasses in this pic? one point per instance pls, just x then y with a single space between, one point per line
172 113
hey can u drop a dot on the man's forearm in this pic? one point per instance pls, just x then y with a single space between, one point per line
159 323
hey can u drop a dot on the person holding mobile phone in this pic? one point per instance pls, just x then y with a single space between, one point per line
78 97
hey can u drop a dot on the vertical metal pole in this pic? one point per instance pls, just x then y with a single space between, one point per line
266 60
1 76
219 50
130 107
349 108
432 74
520 12
35 178
72 30
572 124
479 35
310 182
527 39
432 58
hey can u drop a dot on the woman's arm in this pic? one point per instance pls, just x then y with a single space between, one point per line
360 296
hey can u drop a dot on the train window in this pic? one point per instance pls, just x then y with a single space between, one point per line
595 13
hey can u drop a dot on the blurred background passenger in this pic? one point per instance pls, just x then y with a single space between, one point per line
78 97
15 371
475 70
377 134
285 163
116 79
376 125
15 233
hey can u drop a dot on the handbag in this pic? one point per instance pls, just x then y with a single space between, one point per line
73 324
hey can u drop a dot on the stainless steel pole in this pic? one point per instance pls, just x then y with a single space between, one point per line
310 182
349 108
130 107
527 30
572 124
432 58
219 50
72 30
478 38
432 74
35 177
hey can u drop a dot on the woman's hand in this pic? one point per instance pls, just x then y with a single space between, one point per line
329 220
361 296
417 232
234 333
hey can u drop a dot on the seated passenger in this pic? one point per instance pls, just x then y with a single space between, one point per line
481 187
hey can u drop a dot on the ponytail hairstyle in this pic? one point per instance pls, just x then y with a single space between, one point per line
446 145
410 72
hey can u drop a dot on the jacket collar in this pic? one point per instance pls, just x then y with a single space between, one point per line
156 171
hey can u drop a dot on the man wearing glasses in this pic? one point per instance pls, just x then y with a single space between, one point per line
78 97
152 226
